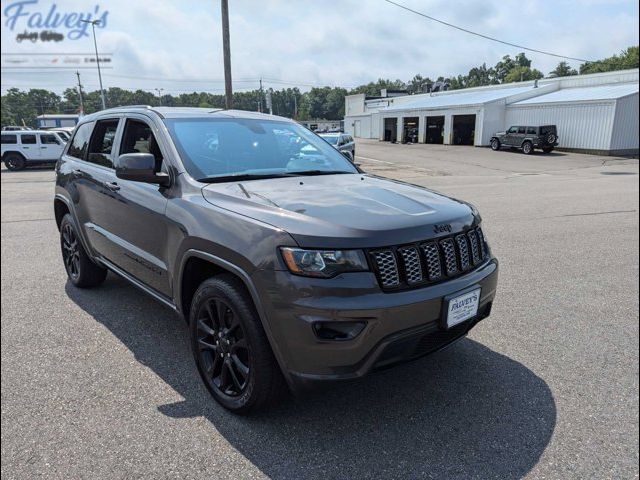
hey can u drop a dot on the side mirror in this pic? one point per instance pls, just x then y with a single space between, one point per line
140 167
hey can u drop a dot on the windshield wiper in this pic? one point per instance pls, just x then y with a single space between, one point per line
316 172
259 176
241 177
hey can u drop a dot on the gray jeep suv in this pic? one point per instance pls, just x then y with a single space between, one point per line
527 138
290 265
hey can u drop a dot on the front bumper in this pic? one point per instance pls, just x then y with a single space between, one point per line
400 326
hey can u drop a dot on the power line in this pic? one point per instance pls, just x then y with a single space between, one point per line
493 39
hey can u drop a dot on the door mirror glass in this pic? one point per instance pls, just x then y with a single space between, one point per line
140 167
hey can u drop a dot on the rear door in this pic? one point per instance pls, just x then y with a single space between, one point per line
50 146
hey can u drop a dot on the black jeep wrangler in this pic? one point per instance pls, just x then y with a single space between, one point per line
527 138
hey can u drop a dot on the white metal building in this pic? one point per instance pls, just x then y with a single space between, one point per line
595 113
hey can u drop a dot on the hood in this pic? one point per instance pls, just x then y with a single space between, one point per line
349 210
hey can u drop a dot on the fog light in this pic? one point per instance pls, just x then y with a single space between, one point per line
338 330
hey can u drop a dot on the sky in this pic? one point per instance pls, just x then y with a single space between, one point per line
177 45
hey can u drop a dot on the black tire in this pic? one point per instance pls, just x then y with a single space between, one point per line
230 348
14 162
81 270
527 148
495 144
547 149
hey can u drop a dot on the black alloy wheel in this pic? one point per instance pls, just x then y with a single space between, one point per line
14 162
82 271
222 348
70 251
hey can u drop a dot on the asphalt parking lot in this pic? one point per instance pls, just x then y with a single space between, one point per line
101 383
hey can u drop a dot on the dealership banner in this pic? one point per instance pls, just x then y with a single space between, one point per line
43 34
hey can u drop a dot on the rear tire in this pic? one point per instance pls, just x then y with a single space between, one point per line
527 148
230 348
15 162
81 270
495 144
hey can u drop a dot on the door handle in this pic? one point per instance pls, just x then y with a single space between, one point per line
113 186
43 147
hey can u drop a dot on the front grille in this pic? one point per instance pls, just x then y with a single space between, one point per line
429 262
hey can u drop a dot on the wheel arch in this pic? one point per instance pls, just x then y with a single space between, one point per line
60 209
13 152
195 267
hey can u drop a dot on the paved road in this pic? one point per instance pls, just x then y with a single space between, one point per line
101 384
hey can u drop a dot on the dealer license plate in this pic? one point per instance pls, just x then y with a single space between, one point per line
463 307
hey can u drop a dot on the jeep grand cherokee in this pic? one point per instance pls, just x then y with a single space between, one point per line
290 265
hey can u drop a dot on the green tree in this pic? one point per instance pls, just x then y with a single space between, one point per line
522 74
627 59
563 69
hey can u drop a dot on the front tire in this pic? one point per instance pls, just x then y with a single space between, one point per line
231 350
81 270
527 148
495 144
15 162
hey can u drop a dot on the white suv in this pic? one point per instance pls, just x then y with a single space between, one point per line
30 147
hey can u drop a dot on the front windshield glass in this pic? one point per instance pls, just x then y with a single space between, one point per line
218 148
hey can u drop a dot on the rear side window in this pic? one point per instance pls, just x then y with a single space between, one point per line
9 139
101 146
27 139
531 130
80 142
49 139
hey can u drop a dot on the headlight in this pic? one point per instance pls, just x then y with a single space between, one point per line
323 263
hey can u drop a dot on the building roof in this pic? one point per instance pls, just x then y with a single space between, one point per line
583 94
459 98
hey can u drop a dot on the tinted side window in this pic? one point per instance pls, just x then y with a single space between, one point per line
101 146
80 141
521 129
512 130
531 130
49 139
9 139
27 139
138 138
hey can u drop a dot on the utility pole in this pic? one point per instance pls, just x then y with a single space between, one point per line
261 96
80 93
95 44
159 91
226 50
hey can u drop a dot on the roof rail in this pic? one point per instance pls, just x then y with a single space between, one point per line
130 106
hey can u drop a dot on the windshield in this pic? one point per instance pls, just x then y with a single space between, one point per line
332 139
214 148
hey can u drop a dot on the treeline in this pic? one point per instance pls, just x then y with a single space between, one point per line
320 102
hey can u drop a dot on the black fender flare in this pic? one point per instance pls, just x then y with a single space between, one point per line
248 283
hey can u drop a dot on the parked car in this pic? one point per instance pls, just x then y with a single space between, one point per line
341 142
30 147
64 132
527 138
12 128
291 266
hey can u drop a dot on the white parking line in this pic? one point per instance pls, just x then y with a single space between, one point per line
374 160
